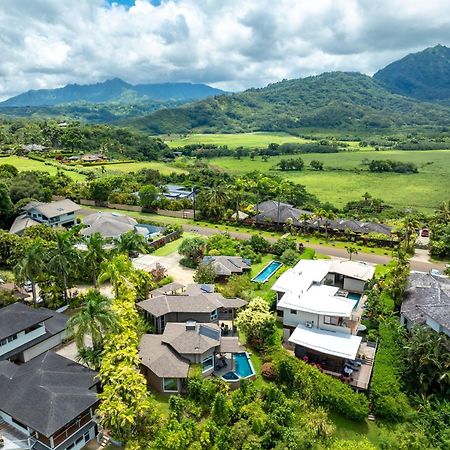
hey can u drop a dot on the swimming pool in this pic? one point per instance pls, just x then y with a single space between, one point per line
243 368
267 272
354 296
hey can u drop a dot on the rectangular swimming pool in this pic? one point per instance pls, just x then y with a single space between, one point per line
267 272
354 296
243 365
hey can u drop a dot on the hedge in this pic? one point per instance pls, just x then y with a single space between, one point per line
389 401
320 388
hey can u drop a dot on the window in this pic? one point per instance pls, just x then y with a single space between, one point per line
293 311
170 384
329 320
87 436
213 315
207 363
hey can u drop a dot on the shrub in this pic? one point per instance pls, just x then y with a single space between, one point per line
290 257
205 274
268 371
284 244
259 244
386 388
320 388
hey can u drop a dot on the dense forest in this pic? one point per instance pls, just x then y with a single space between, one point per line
330 100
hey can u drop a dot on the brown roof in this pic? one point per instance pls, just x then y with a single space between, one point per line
198 339
231 345
161 359
227 265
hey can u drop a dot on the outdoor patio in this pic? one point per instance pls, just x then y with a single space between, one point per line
13 438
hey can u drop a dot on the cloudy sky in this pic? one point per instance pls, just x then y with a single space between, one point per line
231 44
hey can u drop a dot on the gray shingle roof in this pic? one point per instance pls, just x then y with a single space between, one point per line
160 358
185 303
427 294
228 265
21 223
17 317
109 225
53 209
47 392
200 339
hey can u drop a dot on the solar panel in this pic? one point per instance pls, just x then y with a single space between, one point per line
209 332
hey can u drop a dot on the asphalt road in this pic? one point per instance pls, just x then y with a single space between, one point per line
417 263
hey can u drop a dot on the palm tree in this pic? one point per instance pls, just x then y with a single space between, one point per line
30 266
304 218
237 191
95 254
409 224
63 258
351 250
131 242
94 319
328 216
216 199
443 212
116 271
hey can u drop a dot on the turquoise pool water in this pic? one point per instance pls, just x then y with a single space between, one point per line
267 272
243 365
354 296
230 376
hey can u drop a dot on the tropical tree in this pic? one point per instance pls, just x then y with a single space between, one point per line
236 192
94 320
304 219
351 250
193 249
95 254
213 200
131 243
117 270
205 274
63 258
409 225
443 213
428 361
30 266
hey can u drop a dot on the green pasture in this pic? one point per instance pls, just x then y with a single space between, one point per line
249 140
25 164
345 178
164 168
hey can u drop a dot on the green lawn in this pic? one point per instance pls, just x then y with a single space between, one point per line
344 178
172 247
249 140
23 164
349 429
164 168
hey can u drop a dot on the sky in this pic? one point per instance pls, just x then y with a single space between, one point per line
230 44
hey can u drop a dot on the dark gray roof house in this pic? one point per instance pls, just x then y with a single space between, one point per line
166 358
50 399
272 211
427 301
27 332
197 302
226 266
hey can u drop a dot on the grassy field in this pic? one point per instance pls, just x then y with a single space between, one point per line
22 164
165 169
424 190
249 140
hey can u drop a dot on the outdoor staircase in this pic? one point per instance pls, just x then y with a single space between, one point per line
104 441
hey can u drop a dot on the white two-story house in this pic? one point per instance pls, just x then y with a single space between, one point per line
320 304
61 213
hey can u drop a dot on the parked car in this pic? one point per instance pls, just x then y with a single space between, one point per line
425 232
28 286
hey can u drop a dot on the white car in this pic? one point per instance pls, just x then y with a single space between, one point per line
28 286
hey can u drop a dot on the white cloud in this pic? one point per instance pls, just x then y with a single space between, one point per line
233 44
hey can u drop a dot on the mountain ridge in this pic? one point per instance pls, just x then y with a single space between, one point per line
328 100
113 90
424 75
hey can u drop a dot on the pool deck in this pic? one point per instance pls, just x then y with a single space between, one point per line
228 368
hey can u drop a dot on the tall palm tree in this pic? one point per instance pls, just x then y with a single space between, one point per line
216 199
304 218
410 224
95 254
351 250
30 266
328 216
94 319
116 271
131 242
63 258
237 192
443 212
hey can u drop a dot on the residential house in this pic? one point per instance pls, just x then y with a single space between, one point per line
320 303
225 266
273 212
61 213
113 225
198 303
47 403
27 332
427 301
166 358
175 192
92 158
33 148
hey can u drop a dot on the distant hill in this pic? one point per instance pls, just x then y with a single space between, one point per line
424 75
330 100
112 91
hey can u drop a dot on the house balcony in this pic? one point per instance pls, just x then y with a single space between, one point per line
13 438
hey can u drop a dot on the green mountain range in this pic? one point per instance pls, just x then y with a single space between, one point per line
424 75
111 91
344 100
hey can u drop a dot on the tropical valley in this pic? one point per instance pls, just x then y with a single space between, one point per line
187 268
